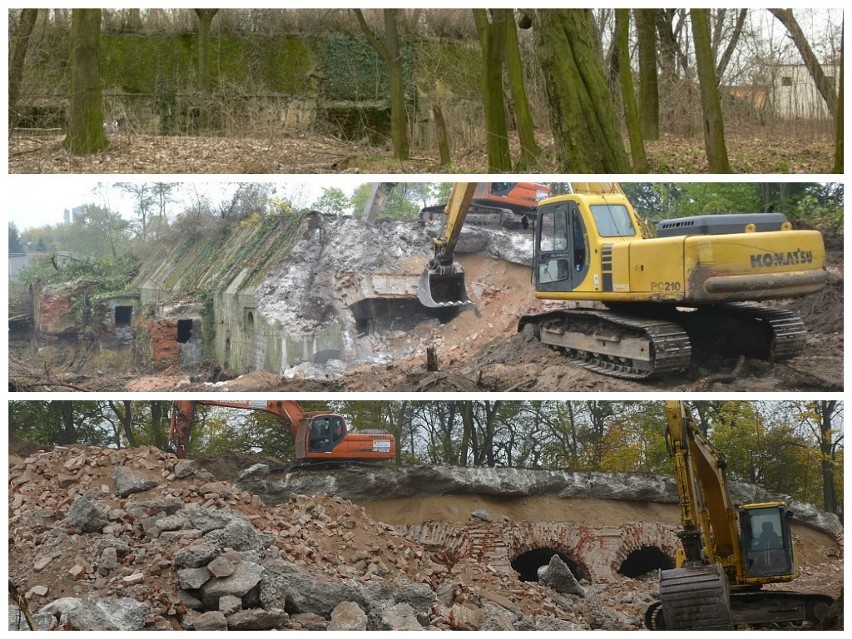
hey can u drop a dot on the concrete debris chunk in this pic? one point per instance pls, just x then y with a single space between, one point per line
558 576
210 620
87 515
245 577
197 555
230 604
347 615
257 619
193 578
98 613
400 617
127 482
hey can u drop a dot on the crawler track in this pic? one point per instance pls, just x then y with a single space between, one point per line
692 599
643 340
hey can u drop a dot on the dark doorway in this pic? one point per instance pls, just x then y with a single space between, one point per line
643 561
184 330
123 315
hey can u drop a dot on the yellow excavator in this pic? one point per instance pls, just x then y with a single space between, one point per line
636 304
728 552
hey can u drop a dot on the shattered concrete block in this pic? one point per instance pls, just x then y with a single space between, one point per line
193 578
128 482
230 604
86 515
221 567
558 576
400 617
347 616
109 558
257 619
196 555
211 620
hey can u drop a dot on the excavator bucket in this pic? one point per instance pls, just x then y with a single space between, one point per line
440 289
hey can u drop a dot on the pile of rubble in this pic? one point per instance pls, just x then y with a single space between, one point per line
136 539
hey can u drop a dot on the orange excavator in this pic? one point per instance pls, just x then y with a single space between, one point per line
320 436
498 204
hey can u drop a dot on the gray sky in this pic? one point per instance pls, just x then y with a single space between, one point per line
34 201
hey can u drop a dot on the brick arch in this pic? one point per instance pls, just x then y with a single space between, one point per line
642 535
566 540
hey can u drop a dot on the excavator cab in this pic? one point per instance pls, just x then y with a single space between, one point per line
326 431
767 544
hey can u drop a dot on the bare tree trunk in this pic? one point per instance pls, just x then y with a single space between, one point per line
159 437
711 106
63 412
125 416
825 412
649 93
468 434
390 53
838 120
492 40
443 138
86 123
585 130
625 75
823 84
399 119
514 68
21 41
205 18
722 66
134 21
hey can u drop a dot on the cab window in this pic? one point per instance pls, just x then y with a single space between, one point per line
554 229
612 220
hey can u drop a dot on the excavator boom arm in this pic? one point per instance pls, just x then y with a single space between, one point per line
458 204
183 413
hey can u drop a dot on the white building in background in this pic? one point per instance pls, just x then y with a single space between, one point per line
69 214
793 94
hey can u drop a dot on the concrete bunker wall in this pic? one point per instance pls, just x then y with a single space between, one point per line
176 337
245 340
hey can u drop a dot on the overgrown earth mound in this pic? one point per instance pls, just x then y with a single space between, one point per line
136 539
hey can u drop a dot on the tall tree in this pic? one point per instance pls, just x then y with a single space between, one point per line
391 53
15 244
523 115
20 44
628 97
159 433
86 118
124 412
838 120
819 418
205 19
725 58
65 429
711 105
649 92
824 85
492 27
585 129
